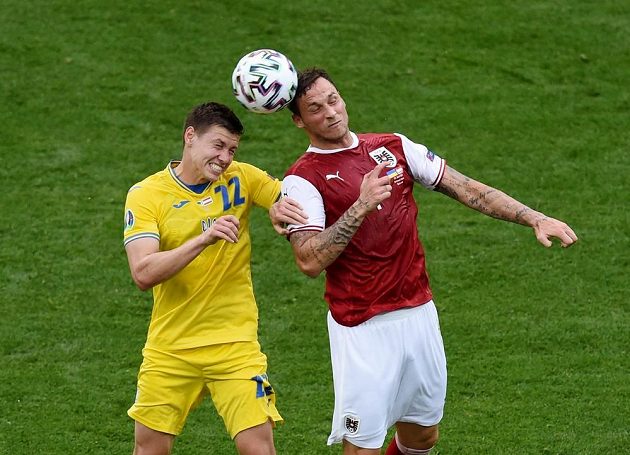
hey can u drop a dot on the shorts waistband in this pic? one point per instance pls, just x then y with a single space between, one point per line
401 313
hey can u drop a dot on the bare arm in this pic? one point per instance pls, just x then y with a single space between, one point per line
150 266
497 204
315 251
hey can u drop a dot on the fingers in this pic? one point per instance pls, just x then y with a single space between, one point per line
375 189
378 169
288 211
552 228
280 229
226 228
568 237
571 235
544 240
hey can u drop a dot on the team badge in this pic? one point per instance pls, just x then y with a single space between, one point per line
381 155
351 423
430 155
130 219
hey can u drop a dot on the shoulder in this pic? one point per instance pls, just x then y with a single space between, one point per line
378 138
149 184
248 172
302 165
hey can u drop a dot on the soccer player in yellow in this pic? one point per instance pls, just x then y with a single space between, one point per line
187 237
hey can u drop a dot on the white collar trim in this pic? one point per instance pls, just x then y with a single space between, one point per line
355 142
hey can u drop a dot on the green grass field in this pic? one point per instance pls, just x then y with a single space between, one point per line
530 97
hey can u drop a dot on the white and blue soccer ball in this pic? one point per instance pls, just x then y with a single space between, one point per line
264 81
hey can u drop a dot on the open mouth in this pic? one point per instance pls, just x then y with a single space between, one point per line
215 167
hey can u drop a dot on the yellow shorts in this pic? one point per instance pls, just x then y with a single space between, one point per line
171 384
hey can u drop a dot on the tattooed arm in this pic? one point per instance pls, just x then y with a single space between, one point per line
497 204
315 251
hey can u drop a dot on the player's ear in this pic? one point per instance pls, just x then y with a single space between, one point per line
189 134
297 120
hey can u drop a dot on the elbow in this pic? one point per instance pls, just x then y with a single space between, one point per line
143 286
309 269
142 282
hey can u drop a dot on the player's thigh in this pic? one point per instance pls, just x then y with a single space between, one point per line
367 362
168 388
422 391
243 395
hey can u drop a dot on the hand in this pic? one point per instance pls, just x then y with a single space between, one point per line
223 228
286 211
374 189
547 228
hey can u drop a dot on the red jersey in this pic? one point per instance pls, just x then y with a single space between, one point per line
383 267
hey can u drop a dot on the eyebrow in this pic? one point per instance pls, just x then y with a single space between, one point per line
317 103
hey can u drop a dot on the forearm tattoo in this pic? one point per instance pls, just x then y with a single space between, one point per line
327 245
483 198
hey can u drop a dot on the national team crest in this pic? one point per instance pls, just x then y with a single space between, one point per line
381 155
351 423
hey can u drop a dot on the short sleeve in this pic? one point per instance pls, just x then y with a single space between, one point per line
303 191
264 188
425 166
140 216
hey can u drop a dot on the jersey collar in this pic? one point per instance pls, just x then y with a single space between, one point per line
355 142
197 189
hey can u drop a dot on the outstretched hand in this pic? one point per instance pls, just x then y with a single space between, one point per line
286 211
549 228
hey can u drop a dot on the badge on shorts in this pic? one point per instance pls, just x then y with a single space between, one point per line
351 423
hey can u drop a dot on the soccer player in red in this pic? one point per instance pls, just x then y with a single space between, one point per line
388 361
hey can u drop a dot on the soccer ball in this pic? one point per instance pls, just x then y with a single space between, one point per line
264 81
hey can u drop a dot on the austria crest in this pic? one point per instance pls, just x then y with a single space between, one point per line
351 423
381 155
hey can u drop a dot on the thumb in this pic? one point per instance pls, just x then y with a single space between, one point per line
542 238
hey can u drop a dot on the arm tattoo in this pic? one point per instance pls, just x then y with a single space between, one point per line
484 199
327 245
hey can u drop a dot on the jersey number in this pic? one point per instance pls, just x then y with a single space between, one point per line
238 200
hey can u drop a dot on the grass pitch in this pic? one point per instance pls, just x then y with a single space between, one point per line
530 97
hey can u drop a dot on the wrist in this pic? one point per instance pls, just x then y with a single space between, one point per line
534 219
361 208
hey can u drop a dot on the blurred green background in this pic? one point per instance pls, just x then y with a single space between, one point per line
530 97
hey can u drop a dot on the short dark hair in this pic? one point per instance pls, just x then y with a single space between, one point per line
206 115
306 79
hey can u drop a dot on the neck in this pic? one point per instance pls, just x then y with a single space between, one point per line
187 177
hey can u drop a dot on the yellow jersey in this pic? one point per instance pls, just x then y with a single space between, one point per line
211 300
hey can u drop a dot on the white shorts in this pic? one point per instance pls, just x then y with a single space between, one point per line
391 368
